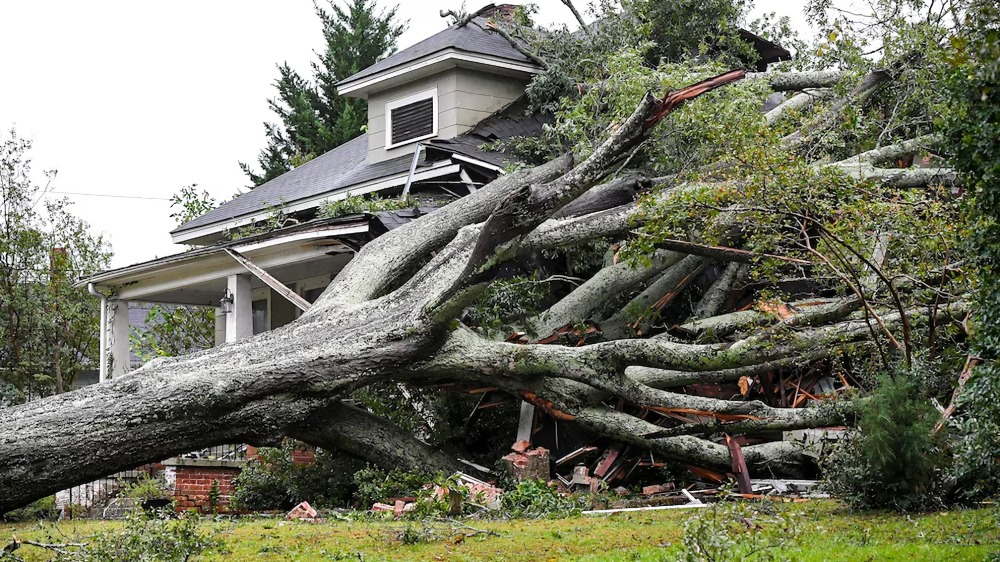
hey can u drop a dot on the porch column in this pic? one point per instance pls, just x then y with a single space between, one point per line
239 322
118 341
220 327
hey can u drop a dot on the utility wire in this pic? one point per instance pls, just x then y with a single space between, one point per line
109 195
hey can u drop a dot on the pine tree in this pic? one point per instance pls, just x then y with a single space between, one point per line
314 118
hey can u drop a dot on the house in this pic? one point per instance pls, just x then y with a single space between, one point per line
430 109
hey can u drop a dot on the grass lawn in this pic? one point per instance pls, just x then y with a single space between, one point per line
827 533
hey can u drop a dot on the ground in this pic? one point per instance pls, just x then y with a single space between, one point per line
828 533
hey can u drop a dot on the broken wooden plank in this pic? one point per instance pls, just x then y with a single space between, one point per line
605 465
270 281
581 452
739 466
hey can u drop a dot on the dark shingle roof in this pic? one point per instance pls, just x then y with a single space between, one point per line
343 166
501 126
471 38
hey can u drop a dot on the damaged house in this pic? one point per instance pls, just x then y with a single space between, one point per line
431 109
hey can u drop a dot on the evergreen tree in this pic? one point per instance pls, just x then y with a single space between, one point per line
314 119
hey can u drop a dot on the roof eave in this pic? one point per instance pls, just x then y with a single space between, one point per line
433 63
211 232
353 224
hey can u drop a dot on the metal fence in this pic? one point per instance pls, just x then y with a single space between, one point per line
92 499
236 452
85 499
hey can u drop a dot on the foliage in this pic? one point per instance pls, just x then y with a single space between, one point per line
684 29
739 531
445 419
42 509
507 304
47 326
152 538
275 219
894 459
170 331
359 204
314 118
145 488
971 125
377 485
536 499
190 204
275 481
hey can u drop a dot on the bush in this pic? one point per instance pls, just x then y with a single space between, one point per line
376 485
893 459
145 488
158 538
44 508
274 481
534 498
737 531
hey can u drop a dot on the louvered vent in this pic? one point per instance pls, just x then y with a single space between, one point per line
413 121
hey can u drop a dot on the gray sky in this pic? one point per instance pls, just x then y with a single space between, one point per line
138 99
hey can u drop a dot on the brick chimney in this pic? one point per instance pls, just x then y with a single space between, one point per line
504 12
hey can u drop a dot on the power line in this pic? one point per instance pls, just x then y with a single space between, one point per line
109 195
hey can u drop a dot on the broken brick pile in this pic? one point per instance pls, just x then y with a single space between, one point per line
526 463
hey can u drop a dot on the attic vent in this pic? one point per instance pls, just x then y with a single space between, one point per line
411 118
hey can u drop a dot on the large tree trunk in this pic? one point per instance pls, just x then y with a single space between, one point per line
390 315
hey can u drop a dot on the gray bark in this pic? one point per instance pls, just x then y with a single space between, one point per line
364 435
637 315
715 297
593 296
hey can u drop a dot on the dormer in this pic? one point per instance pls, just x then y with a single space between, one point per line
439 88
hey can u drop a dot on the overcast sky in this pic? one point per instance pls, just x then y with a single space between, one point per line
137 99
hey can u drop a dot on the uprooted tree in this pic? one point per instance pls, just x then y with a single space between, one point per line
730 243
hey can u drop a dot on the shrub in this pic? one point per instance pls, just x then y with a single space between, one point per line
893 459
376 485
274 481
157 538
145 488
737 531
44 508
534 498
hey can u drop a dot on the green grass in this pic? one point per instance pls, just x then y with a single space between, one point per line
827 533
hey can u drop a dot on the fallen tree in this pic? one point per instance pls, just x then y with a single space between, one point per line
662 314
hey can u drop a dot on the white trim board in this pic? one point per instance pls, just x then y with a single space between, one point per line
448 56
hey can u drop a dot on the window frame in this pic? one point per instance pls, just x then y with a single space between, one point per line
407 100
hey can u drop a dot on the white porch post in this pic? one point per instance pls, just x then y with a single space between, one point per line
239 322
220 326
118 333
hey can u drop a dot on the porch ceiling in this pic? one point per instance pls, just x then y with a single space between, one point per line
199 277
208 289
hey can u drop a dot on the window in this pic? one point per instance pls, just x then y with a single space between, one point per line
411 118
260 323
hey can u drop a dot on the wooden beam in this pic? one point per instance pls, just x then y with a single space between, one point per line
270 281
